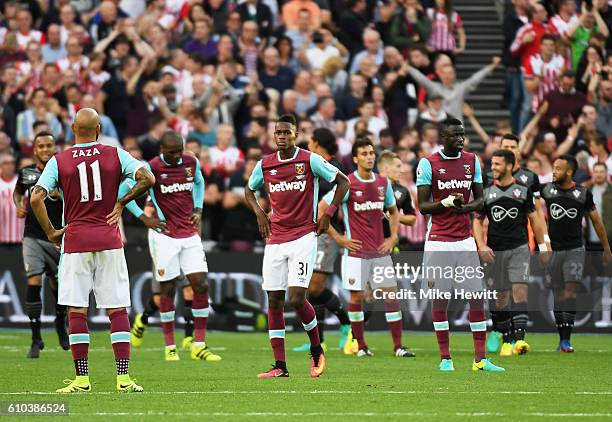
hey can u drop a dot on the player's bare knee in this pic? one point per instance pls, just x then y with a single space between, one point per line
503 300
276 299
519 293
317 284
156 299
35 280
356 297
167 289
570 290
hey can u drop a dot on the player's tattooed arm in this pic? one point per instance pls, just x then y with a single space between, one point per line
144 180
37 202
342 185
600 229
263 221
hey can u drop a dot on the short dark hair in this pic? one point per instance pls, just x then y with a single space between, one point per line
364 101
550 37
361 143
451 121
385 133
571 162
322 100
508 157
38 123
511 137
600 164
192 141
43 134
170 136
287 118
326 139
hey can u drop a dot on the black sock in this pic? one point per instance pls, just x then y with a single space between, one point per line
318 304
520 317
366 316
494 321
188 315
569 316
81 366
281 364
150 309
123 366
333 305
504 324
316 351
34 308
559 320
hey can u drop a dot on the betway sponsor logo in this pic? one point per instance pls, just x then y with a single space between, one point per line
287 186
454 184
176 187
368 206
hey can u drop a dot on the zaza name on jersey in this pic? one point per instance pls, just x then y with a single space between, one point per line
81 152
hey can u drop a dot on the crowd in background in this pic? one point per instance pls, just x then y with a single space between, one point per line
220 72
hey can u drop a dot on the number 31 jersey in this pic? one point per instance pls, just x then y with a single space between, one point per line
89 175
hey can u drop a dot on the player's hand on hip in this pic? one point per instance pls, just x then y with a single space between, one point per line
388 245
323 224
56 236
263 221
352 245
487 255
153 223
114 217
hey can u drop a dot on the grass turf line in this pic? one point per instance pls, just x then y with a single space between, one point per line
540 385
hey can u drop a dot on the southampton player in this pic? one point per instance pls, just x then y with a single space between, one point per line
39 255
528 178
323 142
290 177
567 204
445 181
390 166
178 197
89 175
508 205
363 207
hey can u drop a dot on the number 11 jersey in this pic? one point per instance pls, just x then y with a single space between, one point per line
88 176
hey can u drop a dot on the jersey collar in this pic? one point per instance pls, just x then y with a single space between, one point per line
180 161
364 180
496 183
441 152
88 144
297 149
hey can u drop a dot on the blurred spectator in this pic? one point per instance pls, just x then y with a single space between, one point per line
434 114
604 108
306 97
25 33
323 47
513 21
445 22
372 123
104 22
324 117
373 50
149 142
602 197
273 74
225 158
410 26
54 49
201 42
590 65
564 106
353 22
38 109
68 21
256 10
301 35
11 226
201 131
565 19
598 149
541 74
449 89
291 10
579 34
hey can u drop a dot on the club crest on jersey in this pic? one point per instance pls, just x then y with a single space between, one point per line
300 168
516 193
523 178
576 193
467 168
188 172
351 281
381 191
161 272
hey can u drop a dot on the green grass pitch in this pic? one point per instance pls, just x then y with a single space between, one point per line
542 385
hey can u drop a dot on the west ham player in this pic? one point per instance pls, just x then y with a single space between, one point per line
445 181
528 178
508 205
323 142
178 196
567 205
89 175
39 255
363 207
291 178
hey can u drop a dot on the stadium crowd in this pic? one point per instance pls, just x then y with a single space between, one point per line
220 72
